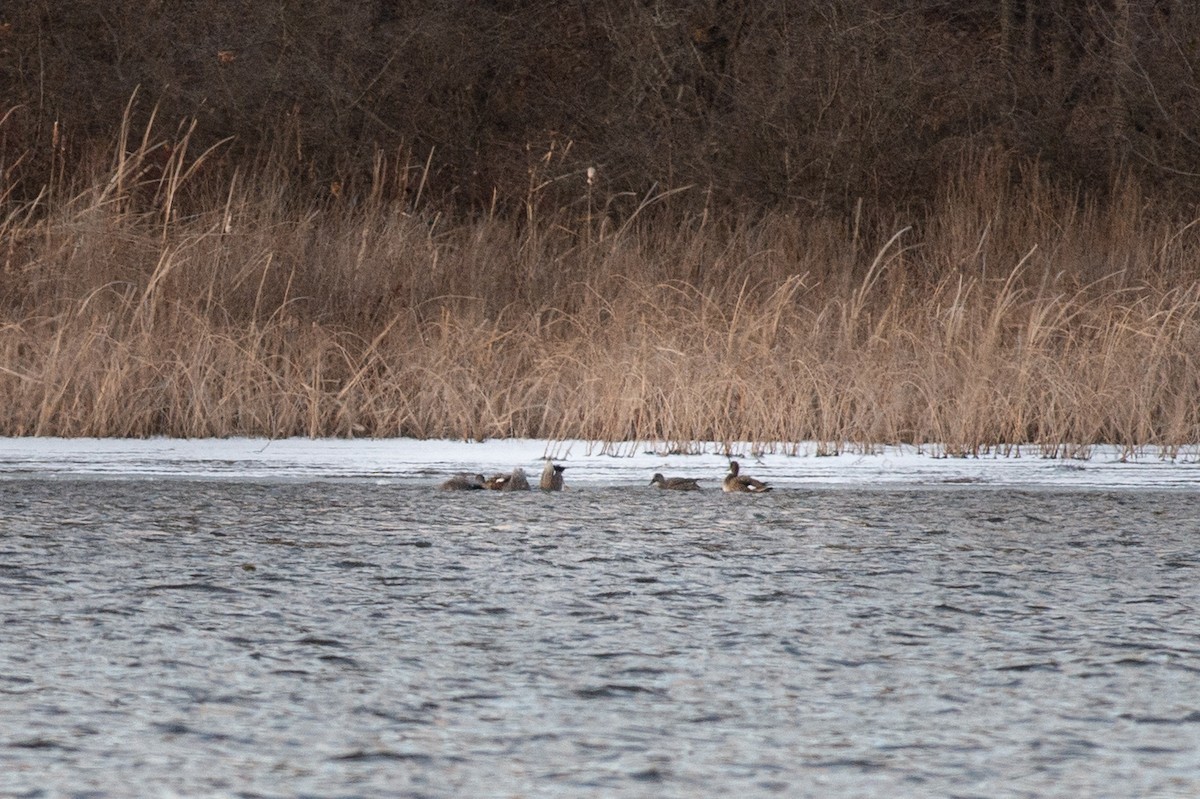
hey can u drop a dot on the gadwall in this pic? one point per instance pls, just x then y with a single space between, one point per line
463 482
514 481
676 483
552 479
743 483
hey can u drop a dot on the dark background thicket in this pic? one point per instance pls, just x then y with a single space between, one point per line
814 105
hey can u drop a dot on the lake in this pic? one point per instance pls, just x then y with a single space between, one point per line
366 638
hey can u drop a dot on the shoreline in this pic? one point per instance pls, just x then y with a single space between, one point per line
407 461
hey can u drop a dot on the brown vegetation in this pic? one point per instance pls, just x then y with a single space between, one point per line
996 321
869 222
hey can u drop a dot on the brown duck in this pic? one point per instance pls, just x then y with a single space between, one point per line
552 478
735 482
463 482
515 481
675 483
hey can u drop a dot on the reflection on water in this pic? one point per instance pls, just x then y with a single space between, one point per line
345 638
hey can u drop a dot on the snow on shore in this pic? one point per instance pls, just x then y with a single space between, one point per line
427 462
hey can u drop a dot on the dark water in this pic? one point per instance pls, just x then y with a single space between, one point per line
354 639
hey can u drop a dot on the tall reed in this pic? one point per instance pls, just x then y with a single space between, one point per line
151 300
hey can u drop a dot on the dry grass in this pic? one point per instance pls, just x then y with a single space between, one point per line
145 301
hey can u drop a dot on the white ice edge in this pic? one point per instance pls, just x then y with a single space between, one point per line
589 464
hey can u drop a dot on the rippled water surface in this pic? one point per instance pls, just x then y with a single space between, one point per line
350 638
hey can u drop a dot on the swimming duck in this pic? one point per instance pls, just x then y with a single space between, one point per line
514 481
675 483
552 479
463 482
741 482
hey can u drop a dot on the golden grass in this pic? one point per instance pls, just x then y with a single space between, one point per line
138 304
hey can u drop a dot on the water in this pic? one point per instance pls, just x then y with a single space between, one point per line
350 638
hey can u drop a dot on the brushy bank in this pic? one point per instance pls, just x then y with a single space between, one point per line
146 300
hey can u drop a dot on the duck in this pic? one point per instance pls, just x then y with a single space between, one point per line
675 483
463 482
552 479
514 481
735 482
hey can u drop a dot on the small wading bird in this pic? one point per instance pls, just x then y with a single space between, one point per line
676 483
515 481
463 482
552 479
741 482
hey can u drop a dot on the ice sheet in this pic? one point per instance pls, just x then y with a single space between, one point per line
589 463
